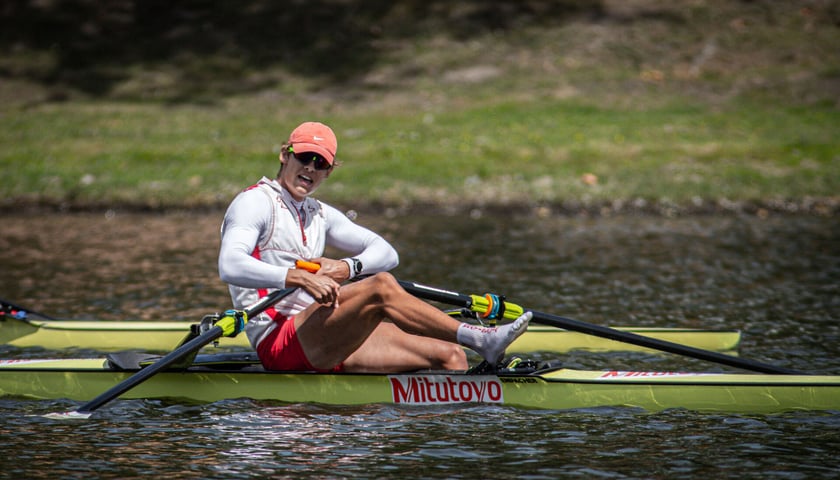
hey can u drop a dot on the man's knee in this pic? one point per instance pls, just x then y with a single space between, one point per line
385 285
378 290
455 358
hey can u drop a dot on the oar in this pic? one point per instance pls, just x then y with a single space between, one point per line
511 311
227 325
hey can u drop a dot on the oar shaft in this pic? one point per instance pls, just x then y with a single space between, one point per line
457 299
657 344
436 294
177 354
144 374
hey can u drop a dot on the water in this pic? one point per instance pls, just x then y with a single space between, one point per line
777 279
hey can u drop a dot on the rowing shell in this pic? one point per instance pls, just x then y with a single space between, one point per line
216 377
164 336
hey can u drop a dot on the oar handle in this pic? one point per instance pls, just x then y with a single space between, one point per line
310 267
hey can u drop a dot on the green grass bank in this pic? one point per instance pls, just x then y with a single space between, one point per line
600 107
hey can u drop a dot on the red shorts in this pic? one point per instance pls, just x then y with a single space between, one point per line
281 350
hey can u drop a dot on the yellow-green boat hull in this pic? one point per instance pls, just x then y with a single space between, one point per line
558 389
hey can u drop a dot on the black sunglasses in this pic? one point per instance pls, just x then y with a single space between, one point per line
305 158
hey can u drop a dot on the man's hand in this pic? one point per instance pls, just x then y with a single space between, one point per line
338 270
323 289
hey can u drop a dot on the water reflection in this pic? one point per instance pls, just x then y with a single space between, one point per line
492 441
243 439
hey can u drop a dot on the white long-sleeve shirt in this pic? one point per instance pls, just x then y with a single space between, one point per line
265 231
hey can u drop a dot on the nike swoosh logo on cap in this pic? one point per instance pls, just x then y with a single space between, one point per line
316 137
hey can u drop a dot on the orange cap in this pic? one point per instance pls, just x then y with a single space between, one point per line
314 137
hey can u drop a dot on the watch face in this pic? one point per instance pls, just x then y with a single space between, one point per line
357 265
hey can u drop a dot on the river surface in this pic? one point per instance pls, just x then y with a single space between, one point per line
776 278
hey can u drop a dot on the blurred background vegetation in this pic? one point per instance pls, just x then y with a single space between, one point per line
564 104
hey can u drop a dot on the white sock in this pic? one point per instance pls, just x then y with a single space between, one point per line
491 343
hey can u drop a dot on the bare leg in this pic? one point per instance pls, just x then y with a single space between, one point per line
389 349
331 335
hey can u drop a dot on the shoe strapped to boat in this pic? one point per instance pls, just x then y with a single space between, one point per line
512 365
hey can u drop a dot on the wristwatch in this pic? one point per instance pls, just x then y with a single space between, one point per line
356 267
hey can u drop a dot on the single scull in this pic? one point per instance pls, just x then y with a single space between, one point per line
216 377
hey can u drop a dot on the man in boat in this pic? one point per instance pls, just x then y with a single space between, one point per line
369 325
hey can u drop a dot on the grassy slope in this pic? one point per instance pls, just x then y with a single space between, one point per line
699 105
